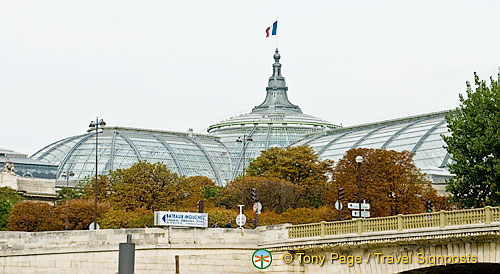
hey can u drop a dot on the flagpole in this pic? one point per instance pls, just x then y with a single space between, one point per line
276 34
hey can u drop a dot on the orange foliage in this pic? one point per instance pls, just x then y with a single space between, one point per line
308 215
390 182
274 194
30 216
36 216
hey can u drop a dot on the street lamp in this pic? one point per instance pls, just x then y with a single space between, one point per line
359 160
96 127
243 140
67 175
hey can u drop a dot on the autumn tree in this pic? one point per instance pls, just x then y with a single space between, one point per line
200 188
151 187
143 185
474 145
390 182
300 166
30 216
80 214
116 218
275 194
40 216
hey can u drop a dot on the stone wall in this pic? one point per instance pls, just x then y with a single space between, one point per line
216 250
220 250
386 251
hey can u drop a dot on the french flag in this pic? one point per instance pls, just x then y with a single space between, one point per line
273 32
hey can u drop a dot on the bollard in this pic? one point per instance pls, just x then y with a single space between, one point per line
177 271
126 256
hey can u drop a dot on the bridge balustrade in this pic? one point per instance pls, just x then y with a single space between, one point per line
400 222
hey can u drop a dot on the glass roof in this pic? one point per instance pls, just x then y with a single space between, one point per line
263 137
274 123
184 153
418 134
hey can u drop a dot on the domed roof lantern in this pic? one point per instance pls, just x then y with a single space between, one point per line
277 56
276 97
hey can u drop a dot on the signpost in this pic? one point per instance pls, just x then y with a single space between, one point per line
241 219
92 227
257 207
338 205
183 219
356 206
364 214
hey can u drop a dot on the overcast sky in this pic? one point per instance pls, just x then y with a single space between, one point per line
174 65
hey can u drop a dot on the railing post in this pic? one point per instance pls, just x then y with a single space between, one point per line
487 212
323 229
442 219
400 222
360 225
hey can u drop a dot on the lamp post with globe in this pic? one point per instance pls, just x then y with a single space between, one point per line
67 175
96 127
244 141
359 161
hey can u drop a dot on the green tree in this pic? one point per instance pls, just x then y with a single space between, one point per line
8 198
475 146
299 165
66 193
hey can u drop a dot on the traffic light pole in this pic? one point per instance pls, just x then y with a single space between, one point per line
340 197
359 189
256 219
340 209
428 205
255 198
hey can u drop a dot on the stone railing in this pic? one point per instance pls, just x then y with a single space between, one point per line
400 222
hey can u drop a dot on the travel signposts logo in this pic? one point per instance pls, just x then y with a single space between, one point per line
262 258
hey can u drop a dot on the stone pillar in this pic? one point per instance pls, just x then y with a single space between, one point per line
359 221
442 219
400 222
487 217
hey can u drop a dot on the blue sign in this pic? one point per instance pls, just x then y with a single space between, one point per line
186 219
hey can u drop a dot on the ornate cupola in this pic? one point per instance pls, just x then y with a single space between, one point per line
274 123
276 97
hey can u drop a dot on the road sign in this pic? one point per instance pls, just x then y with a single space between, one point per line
91 226
364 214
259 207
185 219
338 205
356 206
241 219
